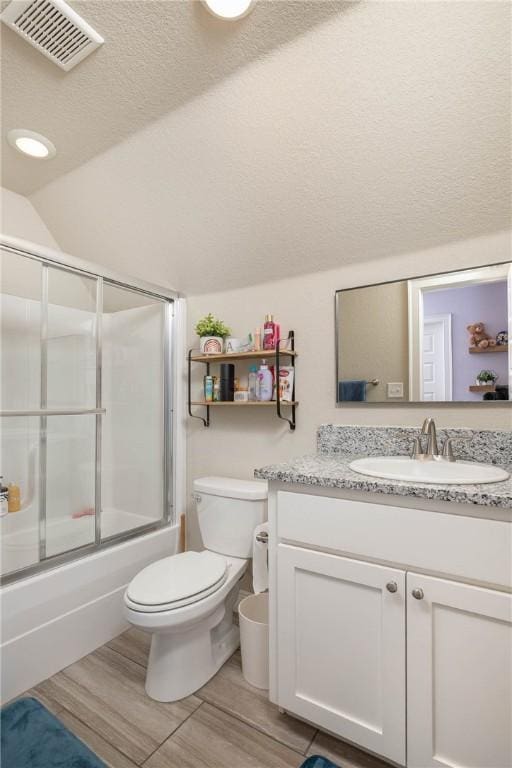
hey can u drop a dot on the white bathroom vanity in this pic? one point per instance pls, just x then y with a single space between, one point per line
391 625
391 613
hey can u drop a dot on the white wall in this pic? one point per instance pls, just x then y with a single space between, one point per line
238 441
19 218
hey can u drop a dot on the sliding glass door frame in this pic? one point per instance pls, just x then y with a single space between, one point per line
71 265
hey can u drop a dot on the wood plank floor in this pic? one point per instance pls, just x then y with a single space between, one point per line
226 724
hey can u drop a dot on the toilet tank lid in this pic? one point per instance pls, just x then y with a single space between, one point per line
253 490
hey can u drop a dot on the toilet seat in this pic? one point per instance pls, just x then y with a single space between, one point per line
177 581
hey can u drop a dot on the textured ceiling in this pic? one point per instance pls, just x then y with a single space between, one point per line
158 55
382 130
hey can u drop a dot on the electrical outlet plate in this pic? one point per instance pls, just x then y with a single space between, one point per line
395 389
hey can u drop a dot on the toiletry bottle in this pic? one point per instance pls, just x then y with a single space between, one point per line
257 340
253 382
216 389
208 389
4 495
264 382
13 498
269 333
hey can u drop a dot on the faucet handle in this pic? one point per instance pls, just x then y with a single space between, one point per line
417 449
447 447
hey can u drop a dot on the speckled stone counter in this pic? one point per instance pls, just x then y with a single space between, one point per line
329 468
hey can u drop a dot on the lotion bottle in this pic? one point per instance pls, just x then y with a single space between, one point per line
264 382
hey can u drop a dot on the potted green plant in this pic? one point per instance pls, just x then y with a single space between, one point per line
486 377
212 333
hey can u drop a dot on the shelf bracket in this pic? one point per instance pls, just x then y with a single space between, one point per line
206 421
291 422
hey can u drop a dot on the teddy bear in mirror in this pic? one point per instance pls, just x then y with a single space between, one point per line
478 337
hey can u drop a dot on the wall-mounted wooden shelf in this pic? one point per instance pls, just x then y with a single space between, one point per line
482 388
261 354
239 403
274 356
488 350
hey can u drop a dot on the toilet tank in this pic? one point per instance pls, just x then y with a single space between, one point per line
228 511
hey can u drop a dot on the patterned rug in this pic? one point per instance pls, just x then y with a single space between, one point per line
33 738
315 761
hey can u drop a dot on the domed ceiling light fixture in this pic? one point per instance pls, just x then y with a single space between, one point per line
229 9
31 144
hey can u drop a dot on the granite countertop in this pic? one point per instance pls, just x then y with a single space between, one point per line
332 471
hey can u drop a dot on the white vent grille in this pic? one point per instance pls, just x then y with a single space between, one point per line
54 29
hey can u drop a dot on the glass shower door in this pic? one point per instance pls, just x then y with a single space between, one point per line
70 374
20 389
85 407
134 381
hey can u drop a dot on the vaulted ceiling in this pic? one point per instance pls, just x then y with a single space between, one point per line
158 55
210 155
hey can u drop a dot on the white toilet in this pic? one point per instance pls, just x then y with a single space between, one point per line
187 600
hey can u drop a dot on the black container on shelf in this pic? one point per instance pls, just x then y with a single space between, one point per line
227 381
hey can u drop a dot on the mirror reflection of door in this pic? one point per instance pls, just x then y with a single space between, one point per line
444 363
437 358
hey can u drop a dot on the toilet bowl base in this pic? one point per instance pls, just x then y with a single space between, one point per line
182 662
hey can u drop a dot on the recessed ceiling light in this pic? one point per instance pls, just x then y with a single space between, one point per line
229 9
31 143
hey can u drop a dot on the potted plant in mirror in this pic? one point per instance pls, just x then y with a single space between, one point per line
486 378
212 333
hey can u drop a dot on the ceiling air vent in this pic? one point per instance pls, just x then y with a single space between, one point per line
54 29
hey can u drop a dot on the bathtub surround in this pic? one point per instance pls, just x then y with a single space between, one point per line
74 603
53 619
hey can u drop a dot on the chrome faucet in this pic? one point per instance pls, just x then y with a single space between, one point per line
432 453
429 429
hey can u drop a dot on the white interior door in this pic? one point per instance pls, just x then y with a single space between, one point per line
341 647
437 358
459 675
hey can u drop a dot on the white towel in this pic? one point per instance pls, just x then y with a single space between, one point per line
260 560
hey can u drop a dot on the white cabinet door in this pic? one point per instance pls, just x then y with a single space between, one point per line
341 647
459 675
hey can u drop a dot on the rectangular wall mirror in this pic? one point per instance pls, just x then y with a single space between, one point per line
409 341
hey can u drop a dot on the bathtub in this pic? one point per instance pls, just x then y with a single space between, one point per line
52 619
19 545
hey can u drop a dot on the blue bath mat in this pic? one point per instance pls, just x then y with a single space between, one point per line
33 738
315 761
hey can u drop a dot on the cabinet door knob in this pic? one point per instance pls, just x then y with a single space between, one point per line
418 594
392 586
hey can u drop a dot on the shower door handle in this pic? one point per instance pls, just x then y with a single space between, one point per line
57 412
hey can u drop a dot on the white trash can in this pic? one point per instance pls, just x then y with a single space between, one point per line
253 613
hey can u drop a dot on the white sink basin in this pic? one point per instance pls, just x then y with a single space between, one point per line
442 472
